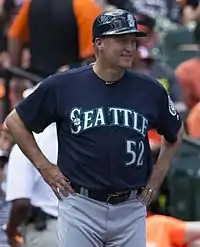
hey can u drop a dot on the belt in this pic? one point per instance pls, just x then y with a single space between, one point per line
103 196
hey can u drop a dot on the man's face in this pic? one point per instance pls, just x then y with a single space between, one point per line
119 50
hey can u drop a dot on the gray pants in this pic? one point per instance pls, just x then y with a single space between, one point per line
88 223
46 238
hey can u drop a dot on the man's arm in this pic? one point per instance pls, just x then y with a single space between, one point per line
15 49
18 215
18 191
175 92
169 125
29 147
24 137
186 85
18 35
164 161
193 122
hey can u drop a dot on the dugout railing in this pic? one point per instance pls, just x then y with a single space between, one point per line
184 181
10 72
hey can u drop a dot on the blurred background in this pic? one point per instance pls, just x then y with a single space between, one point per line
41 37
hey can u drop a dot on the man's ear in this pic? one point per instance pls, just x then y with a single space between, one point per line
99 44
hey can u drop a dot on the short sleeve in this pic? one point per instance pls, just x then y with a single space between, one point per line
169 121
39 109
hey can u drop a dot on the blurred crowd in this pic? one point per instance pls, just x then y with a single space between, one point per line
42 37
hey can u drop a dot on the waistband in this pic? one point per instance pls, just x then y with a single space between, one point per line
103 196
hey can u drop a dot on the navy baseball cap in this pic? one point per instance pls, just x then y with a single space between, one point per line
115 22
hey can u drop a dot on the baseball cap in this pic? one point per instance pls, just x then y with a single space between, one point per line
115 22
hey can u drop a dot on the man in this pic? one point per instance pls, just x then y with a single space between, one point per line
119 4
147 24
6 143
171 231
190 10
103 113
33 202
188 74
147 63
193 121
104 5
67 42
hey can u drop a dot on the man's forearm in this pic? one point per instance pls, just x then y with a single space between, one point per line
167 153
18 216
26 141
15 49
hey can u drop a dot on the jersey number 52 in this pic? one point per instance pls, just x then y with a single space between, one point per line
135 151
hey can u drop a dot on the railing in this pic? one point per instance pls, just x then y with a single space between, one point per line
10 72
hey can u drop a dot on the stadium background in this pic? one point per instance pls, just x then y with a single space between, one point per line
173 40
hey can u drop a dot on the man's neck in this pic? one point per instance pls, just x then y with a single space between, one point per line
107 74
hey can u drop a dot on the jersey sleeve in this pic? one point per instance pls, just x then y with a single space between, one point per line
39 109
169 121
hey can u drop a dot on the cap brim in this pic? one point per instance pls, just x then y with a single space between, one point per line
136 32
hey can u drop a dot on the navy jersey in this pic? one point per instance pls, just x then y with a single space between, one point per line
102 129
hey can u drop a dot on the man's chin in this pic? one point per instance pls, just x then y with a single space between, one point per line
127 65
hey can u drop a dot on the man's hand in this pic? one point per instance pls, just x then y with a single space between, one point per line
57 181
150 191
15 238
160 169
15 241
148 194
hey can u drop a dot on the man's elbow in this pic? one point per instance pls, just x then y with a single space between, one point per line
13 121
178 140
10 119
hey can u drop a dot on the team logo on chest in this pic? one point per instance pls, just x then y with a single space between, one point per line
82 120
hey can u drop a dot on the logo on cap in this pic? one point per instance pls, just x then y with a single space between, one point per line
103 18
131 21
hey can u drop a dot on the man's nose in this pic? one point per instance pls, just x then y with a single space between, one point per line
130 46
